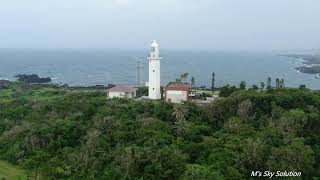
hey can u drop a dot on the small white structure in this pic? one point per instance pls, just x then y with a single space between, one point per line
154 71
122 91
177 92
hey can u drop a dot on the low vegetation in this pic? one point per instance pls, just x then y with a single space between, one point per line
81 135
8 171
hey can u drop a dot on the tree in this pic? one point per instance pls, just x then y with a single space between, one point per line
184 76
254 153
180 112
291 124
262 85
302 86
277 83
197 171
213 81
167 163
246 110
269 85
127 161
243 85
255 87
293 157
193 82
36 161
227 90
107 126
282 85
180 127
237 126
146 107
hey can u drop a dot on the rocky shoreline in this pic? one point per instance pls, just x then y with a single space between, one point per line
311 63
309 69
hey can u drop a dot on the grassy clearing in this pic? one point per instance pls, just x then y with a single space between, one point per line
34 93
10 172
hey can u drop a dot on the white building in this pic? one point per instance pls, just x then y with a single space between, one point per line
177 92
122 91
154 71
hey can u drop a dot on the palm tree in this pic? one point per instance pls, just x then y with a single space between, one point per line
146 107
180 127
184 76
180 113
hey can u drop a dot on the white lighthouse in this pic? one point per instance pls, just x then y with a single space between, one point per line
154 71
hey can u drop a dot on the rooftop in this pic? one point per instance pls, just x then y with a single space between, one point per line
122 88
175 86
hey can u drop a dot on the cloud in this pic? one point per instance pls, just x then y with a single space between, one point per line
122 2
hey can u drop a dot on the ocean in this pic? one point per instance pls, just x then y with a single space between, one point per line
87 67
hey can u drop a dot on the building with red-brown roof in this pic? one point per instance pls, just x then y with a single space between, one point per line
177 92
122 91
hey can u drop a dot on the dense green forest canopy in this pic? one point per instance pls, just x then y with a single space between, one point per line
64 134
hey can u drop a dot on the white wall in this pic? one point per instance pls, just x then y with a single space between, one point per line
128 95
176 96
154 79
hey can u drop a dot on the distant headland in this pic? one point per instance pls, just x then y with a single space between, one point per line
32 78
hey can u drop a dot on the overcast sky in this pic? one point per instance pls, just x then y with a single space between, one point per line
195 24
